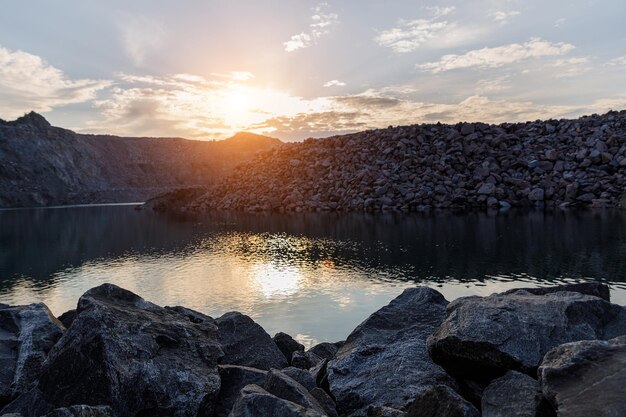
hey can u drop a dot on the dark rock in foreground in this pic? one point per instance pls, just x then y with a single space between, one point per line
441 401
27 333
512 395
82 411
254 401
137 357
586 378
233 379
490 335
384 361
245 343
287 345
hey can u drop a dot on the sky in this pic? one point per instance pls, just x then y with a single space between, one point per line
295 69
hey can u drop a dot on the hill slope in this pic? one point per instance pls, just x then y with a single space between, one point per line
544 163
44 165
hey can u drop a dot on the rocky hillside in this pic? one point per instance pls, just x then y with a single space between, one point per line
44 165
468 165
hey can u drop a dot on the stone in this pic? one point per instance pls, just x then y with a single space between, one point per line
325 350
596 289
245 343
287 345
327 403
29 404
254 401
487 189
488 336
381 411
301 376
82 411
233 379
512 395
279 384
586 378
67 318
305 360
441 401
384 361
536 194
134 356
27 333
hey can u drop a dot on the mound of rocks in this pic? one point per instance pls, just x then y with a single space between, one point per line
553 163
527 352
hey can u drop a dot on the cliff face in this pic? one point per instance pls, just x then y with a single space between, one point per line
44 165
469 165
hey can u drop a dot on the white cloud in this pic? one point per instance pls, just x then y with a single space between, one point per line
140 36
502 16
438 11
322 24
571 67
410 35
617 62
241 75
335 83
493 84
28 83
498 56
559 22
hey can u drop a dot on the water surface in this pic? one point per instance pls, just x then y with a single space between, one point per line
315 276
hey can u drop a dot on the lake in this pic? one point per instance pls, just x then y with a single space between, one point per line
314 276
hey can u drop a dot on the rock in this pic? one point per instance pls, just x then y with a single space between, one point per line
586 378
596 289
327 403
512 395
245 343
380 411
27 333
254 401
325 350
467 129
132 355
441 401
487 189
301 376
320 373
82 411
279 384
305 360
233 379
67 318
29 404
287 345
536 194
513 331
389 350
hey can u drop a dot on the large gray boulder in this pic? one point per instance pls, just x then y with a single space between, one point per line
384 361
279 384
287 345
27 333
586 378
82 411
254 401
134 356
29 404
245 343
512 395
513 331
441 401
233 379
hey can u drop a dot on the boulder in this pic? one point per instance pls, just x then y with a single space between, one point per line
27 333
233 379
384 361
488 336
282 386
301 376
441 401
254 401
82 411
134 356
381 411
67 318
596 289
245 343
325 350
287 345
325 401
512 395
305 360
29 404
586 378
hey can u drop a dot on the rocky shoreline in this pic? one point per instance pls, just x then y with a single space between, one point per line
555 351
552 163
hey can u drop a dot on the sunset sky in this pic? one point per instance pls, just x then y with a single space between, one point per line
295 69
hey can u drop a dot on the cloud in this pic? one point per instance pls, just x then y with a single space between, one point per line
140 36
572 67
503 17
322 24
28 83
559 22
617 62
498 56
335 83
438 11
493 84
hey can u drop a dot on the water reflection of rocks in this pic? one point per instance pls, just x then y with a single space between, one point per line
37 244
